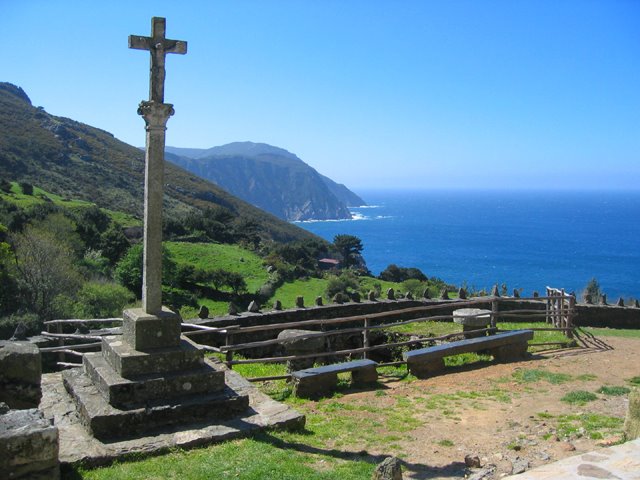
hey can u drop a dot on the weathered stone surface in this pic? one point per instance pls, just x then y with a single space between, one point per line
444 294
462 294
632 421
128 393
389 469
426 294
472 317
28 446
391 294
253 307
495 292
295 345
233 309
472 461
319 381
131 363
144 331
20 372
105 421
76 444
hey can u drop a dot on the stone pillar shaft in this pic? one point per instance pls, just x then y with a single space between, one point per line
155 116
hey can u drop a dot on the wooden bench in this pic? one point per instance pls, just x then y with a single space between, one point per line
504 347
319 381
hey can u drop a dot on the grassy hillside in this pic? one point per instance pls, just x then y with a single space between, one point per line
210 256
74 160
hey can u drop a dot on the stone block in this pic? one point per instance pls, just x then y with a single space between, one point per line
106 422
28 446
20 372
632 421
131 363
144 331
124 393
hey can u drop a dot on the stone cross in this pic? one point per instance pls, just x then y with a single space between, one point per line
155 113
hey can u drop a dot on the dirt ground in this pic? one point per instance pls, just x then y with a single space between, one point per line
510 425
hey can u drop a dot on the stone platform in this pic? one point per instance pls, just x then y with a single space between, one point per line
618 462
77 445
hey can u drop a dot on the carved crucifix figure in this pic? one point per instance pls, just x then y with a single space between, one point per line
155 113
159 46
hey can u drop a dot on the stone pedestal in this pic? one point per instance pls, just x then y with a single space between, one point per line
28 446
20 372
472 319
147 379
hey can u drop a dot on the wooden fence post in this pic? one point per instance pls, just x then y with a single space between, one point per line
229 354
494 313
365 338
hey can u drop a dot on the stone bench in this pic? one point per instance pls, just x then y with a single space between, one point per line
318 381
504 347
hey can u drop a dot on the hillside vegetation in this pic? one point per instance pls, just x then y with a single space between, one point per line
74 160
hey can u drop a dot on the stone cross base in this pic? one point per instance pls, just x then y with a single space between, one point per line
147 378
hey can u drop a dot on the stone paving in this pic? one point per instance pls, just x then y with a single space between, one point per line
618 462
77 445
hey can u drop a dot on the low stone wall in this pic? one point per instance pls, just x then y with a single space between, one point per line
608 316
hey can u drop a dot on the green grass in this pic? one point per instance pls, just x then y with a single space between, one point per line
613 390
634 381
579 397
210 256
41 196
264 457
592 425
522 375
446 443
612 332
309 289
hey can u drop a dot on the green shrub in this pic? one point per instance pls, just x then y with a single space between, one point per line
30 320
102 300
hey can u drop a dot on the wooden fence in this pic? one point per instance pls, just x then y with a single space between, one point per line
559 313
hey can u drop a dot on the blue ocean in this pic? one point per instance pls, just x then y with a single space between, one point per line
525 239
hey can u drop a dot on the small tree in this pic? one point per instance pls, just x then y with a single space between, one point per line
593 290
349 246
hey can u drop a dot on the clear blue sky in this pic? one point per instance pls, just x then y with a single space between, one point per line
514 94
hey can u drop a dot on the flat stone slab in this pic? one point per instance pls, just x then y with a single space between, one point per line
472 317
77 445
617 462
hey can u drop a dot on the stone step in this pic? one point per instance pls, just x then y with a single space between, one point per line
126 393
131 363
106 422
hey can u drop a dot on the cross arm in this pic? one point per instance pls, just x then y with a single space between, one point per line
147 43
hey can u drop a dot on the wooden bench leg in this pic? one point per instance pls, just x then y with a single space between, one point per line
509 353
426 369
315 386
364 376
